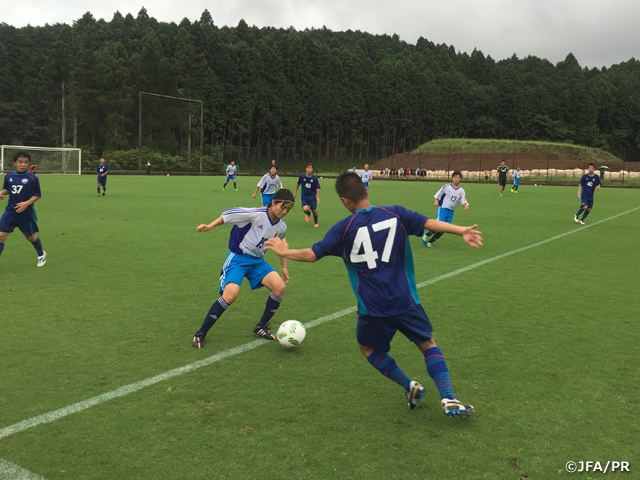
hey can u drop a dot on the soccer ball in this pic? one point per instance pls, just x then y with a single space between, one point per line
291 333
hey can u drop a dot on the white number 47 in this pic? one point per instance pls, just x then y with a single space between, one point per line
363 241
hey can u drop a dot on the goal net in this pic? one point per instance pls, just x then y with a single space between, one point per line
48 160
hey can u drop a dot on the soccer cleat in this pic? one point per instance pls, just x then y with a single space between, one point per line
42 259
223 189
104 193
429 245
198 340
455 408
414 394
236 189
512 190
316 225
425 240
575 218
98 194
307 218
500 194
580 222
263 332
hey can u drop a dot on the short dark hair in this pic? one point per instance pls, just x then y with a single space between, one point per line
591 165
21 154
310 165
350 186
456 172
283 195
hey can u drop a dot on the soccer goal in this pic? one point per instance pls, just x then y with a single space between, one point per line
48 159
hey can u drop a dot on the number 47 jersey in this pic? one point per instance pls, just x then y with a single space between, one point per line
374 245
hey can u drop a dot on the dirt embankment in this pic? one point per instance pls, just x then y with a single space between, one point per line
478 162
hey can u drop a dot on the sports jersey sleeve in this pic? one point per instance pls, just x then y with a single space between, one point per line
263 181
440 193
331 244
317 183
412 221
279 182
463 197
36 186
241 216
5 184
301 179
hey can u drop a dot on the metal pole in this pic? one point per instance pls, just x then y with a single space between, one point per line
201 134
140 130
548 164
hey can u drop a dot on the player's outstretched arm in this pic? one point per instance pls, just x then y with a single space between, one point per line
3 193
281 248
285 270
204 227
469 234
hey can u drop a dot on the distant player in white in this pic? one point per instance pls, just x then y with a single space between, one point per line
516 180
251 228
366 175
231 175
267 185
446 199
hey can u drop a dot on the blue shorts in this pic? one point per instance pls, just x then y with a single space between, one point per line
377 332
312 203
266 198
444 215
26 223
230 177
102 180
366 185
237 266
588 202
516 181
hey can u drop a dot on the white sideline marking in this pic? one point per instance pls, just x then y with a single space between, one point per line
11 471
133 387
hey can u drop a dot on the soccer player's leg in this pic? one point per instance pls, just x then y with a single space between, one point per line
313 205
98 185
374 341
417 328
587 210
7 225
306 210
276 285
3 237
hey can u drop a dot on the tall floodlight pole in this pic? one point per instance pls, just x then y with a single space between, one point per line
140 130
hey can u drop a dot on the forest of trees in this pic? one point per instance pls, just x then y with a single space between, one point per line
313 93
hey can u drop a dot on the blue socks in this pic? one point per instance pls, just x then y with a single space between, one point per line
584 215
273 303
37 244
438 371
216 310
386 365
1 247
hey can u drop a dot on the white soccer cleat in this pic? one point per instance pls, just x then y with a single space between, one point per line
414 394
580 222
455 408
42 259
575 218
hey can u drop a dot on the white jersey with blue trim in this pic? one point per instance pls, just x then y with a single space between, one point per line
251 228
366 176
231 169
268 185
517 174
449 197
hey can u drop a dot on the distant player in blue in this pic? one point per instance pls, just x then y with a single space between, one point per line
589 183
231 175
267 185
310 194
366 176
251 228
103 171
516 180
23 189
374 245
446 199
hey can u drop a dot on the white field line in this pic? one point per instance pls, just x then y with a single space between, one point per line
11 471
133 387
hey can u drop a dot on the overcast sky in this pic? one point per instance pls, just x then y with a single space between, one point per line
598 32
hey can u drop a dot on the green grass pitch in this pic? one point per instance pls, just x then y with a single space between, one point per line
543 342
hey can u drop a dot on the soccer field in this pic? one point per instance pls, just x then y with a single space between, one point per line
98 378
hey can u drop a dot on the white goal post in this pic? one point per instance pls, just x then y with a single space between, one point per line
48 159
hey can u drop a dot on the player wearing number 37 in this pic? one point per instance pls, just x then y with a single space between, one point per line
373 243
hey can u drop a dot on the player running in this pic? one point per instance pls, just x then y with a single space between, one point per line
516 180
589 183
251 227
366 176
447 199
231 176
501 173
23 189
267 185
103 171
310 194
373 243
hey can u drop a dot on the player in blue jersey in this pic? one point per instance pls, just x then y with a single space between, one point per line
310 194
446 199
103 171
251 228
517 174
23 189
267 185
231 175
589 183
366 176
374 245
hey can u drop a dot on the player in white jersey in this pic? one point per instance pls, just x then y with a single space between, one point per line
268 184
366 175
516 180
446 199
251 228
231 175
